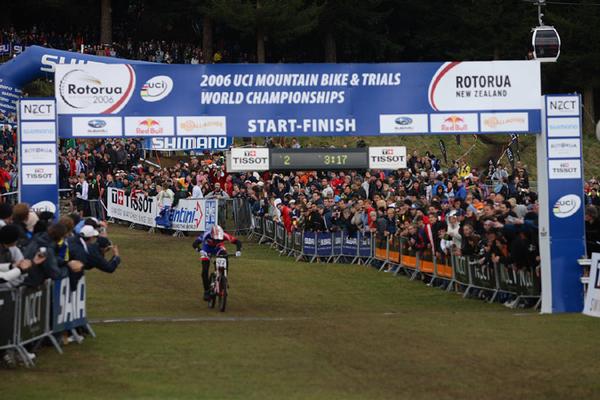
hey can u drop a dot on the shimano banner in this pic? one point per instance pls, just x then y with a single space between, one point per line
193 143
146 100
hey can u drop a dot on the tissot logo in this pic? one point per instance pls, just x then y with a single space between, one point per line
246 160
387 158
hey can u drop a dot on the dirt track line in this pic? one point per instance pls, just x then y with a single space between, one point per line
193 319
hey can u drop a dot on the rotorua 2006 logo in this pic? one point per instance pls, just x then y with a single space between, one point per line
566 206
94 89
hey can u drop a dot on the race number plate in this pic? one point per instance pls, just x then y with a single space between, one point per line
221 262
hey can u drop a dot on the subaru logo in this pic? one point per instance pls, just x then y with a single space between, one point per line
403 121
97 123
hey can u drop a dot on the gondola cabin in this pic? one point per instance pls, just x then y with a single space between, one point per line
546 44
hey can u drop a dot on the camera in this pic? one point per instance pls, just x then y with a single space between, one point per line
42 252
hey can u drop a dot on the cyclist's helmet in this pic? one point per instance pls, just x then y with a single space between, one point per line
216 232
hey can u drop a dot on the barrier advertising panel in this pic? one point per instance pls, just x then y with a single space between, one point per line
68 306
8 301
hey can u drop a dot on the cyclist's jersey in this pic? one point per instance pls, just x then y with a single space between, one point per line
211 246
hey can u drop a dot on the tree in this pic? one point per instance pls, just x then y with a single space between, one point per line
105 22
577 66
359 25
276 20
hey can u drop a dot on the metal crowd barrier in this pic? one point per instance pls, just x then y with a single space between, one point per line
465 275
29 315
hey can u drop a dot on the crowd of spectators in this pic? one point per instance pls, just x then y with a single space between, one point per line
459 209
159 51
34 248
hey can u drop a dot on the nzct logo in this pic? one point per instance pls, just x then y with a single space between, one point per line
157 88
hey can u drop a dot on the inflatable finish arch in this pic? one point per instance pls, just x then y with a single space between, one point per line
38 62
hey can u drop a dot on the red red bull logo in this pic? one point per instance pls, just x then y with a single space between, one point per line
149 126
454 124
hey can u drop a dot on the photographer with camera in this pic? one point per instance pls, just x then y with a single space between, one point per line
45 245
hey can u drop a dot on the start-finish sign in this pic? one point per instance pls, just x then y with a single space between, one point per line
146 100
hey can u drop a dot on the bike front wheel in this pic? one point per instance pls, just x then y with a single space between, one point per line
222 295
212 299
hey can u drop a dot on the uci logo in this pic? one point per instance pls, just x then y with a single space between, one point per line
566 206
156 88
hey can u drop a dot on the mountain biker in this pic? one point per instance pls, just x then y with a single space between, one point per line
211 243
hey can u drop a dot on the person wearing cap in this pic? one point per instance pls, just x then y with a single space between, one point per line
53 267
84 249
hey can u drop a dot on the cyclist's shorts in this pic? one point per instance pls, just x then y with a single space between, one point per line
208 251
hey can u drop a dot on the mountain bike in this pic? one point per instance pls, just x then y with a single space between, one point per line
218 283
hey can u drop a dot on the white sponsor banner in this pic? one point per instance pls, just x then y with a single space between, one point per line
504 122
561 127
403 123
101 126
251 159
188 215
592 297
139 210
564 169
93 88
38 153
562 106
149 126
564 148
194 215
38 132
486 85
39 174
196 125
454 123
35 110
390 157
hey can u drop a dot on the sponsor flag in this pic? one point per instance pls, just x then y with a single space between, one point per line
443 150
514 141
511 157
